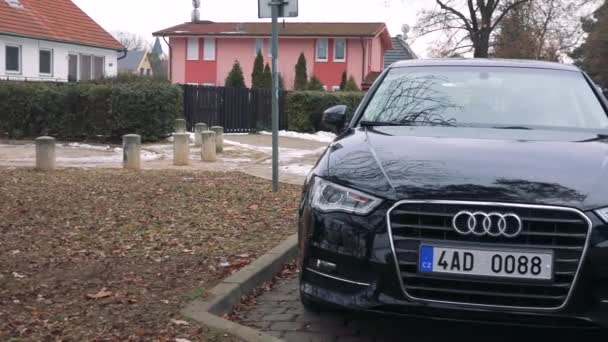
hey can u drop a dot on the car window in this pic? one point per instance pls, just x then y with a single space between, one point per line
492 96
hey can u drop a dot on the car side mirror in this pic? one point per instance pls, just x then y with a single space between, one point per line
335 116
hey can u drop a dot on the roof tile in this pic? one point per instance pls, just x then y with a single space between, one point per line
57 20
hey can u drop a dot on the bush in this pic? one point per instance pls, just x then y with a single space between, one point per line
305 108
89 110
235 77
315 84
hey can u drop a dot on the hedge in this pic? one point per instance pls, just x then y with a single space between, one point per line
305 108
89 110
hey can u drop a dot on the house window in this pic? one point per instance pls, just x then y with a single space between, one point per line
148 72
209 53
13 58
335 88
339 50
85 67
321 55
324 87
46 62
259 46
192 49
141 71
91 67
98 67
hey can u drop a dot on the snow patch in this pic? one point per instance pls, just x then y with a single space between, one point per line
297 169
91 147
319 136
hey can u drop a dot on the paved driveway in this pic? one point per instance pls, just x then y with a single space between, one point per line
279 313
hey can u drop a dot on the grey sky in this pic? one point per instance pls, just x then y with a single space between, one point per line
146 16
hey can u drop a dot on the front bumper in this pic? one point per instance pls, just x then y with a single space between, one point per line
366 279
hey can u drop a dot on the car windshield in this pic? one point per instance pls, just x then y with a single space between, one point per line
504 97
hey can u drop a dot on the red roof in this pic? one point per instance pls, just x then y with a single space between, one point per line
292 29
55 20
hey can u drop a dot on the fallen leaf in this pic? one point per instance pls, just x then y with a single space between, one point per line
179 322
182 340
18 276
103 293
254 207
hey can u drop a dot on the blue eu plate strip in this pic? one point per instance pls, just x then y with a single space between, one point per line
426 259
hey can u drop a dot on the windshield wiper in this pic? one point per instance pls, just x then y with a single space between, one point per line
380 123
512 127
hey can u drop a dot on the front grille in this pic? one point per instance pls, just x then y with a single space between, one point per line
561 230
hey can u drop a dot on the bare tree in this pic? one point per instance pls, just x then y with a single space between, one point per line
542 29
466 24
131 41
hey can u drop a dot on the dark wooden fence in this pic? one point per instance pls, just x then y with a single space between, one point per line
235 109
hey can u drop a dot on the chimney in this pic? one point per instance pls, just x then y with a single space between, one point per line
196 14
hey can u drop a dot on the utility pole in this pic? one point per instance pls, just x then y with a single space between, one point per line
275 9
276 6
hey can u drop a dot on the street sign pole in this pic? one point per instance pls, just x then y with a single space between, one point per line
276 5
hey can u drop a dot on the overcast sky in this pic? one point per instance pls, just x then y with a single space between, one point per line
146 16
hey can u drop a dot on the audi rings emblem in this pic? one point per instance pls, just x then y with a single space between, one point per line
492 224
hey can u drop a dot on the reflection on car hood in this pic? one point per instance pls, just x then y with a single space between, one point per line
524 166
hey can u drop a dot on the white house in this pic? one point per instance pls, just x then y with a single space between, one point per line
54 40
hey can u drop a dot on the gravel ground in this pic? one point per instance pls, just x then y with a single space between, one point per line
110 255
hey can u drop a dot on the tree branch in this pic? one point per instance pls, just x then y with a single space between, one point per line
456 13
507 10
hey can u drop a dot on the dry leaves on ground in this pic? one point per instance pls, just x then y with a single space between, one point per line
113 255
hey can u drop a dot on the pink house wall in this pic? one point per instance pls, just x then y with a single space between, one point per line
178 60
360 60
230 50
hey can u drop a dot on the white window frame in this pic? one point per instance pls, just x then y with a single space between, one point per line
335 88
92 66
319 41
258 46
335 45
209 49
19 62
192 49
52 60
324 87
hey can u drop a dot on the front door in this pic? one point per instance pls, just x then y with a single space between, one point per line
73 68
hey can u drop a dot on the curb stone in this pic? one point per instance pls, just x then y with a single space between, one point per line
222 298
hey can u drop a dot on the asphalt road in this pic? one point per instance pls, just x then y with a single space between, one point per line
279 313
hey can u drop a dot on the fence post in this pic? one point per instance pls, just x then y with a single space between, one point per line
131 150
181 149
181 126
45 153
208 152
219 138
198 129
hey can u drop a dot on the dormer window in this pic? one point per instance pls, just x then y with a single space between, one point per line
14 3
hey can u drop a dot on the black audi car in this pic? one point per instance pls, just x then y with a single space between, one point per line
464 189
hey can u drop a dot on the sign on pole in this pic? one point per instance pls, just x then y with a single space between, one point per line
288 9
275 9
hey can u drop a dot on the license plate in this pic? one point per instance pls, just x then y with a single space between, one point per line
490 263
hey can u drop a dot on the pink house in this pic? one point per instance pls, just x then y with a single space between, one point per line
204 52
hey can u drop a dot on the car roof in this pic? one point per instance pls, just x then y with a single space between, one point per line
485 62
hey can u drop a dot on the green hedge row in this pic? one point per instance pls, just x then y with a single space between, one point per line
89 110
305 108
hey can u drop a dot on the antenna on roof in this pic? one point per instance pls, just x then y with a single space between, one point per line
196 14
405 28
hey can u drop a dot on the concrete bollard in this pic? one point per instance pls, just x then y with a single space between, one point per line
131 152
5 138
181 149
45 153
208 151
180 126
198 129
219 138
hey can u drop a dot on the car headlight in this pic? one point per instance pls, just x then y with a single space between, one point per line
330 197
603 214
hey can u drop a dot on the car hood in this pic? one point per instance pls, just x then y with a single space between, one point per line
519 166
